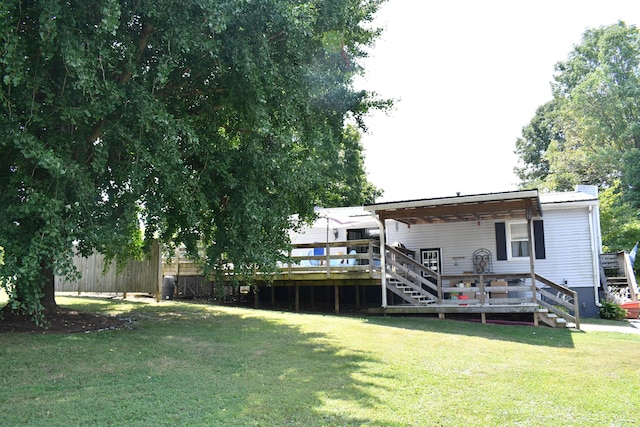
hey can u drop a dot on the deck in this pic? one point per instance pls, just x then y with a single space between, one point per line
410 287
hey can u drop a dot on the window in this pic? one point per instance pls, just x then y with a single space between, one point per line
513 236
519 240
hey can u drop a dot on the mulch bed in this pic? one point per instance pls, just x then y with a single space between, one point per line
62 321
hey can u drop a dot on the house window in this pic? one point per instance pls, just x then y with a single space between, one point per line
519 240
511 240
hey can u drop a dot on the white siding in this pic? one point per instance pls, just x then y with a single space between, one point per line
457 241
567 245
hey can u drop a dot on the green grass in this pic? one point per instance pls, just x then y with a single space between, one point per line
188 364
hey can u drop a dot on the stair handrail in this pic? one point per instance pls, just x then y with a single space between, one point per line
394 263
421 272
564 291
630 276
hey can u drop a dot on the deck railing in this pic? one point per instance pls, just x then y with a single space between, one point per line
478 289
353 256
336 259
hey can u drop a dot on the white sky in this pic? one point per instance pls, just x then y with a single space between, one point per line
466 76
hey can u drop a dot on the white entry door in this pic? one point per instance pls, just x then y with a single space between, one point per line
431 258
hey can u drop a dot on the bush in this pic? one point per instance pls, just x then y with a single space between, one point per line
612 311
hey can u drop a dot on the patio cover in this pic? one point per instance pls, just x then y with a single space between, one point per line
495 206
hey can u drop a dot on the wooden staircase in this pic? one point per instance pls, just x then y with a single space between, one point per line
551 319
409 293
409 280
424 291
619 278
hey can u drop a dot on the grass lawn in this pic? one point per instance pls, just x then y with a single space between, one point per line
189 364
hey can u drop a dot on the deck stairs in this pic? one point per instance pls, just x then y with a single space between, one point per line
551 319
417 286
618 275
410 280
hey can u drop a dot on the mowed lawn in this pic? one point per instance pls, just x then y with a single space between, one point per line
190 364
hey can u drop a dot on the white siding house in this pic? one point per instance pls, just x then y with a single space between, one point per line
572 243
566 240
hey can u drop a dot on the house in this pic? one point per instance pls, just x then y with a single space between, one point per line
566 237
503 248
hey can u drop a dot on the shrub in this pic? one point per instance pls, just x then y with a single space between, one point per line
612 311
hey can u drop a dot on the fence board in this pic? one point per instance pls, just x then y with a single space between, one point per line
137 276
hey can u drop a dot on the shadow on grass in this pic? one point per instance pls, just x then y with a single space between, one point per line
523 334
185 364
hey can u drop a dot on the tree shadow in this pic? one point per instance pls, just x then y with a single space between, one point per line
191 364
523 334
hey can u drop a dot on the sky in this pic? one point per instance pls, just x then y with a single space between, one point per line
466 77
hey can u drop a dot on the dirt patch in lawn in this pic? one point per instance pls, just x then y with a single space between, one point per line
62 321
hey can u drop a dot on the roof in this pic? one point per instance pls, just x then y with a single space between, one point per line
500 206
566 196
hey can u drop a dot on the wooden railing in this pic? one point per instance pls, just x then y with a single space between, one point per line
618 275
564 303
472 289
335 260
338 258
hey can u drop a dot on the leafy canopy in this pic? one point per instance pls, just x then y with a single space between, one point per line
210 122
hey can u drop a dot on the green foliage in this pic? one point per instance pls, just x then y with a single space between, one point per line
532 147
589 131
610 310
619 219
210 122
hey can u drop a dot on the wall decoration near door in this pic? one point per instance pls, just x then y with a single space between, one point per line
482 262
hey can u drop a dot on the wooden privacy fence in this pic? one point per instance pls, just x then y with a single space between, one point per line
137 276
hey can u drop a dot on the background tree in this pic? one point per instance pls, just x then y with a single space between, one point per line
210 122
532 147
590 131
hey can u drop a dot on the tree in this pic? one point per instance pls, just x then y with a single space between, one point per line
532 147
619 220
209 122
350 186
594 117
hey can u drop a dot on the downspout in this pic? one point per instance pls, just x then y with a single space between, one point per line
594 259
383 256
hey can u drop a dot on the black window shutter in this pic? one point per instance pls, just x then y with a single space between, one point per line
501 241
538 239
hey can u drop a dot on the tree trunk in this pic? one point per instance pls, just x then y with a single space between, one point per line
48 299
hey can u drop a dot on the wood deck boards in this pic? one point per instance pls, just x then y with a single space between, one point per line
459 309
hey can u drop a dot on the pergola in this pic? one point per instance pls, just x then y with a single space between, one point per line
523 204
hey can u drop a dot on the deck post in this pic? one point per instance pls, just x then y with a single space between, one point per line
297 298
358 297
534 291
383 257
337 298
327 257
273 296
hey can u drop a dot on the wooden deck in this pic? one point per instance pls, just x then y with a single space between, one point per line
411 287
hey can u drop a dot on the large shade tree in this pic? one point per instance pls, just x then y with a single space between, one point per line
590 130
209 122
